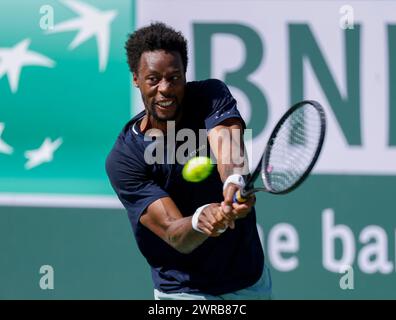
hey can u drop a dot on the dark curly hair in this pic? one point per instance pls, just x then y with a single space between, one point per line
156 36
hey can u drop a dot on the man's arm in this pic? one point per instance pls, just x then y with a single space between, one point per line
128 177
226 142
164 219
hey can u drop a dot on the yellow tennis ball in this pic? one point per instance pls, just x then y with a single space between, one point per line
197 169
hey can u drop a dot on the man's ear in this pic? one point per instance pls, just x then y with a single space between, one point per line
135 80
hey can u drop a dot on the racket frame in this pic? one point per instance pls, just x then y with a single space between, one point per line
249 186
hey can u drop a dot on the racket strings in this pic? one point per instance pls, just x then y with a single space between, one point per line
293 149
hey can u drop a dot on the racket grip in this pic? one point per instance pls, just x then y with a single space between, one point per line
238 197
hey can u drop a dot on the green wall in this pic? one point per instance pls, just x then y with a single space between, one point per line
93 252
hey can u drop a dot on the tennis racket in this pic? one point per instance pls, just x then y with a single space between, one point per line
291 151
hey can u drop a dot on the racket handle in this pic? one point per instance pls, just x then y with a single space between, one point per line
238 198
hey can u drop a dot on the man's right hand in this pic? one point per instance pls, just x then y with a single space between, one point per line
212 222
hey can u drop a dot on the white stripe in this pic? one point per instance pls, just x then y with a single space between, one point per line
134 129
59 201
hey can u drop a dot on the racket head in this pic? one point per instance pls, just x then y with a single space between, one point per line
293 147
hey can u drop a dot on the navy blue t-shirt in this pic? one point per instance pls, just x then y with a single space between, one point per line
221 264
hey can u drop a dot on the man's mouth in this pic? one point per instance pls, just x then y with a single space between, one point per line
164 104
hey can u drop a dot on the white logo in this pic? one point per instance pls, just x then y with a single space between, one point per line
4 147
43 154
92 22
12 60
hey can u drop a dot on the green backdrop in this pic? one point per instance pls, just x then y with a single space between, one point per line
92 250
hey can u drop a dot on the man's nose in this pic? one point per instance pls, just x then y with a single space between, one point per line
164 86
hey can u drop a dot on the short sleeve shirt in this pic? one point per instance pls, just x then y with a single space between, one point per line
221 264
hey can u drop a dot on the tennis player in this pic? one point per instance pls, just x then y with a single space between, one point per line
198 243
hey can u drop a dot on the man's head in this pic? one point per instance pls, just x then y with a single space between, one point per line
157 57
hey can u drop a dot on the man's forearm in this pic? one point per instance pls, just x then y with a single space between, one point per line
164 219
228 146
183 237
225 170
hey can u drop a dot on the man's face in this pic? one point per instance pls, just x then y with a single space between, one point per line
161 80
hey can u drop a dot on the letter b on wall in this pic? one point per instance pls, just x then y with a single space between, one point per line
203 34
